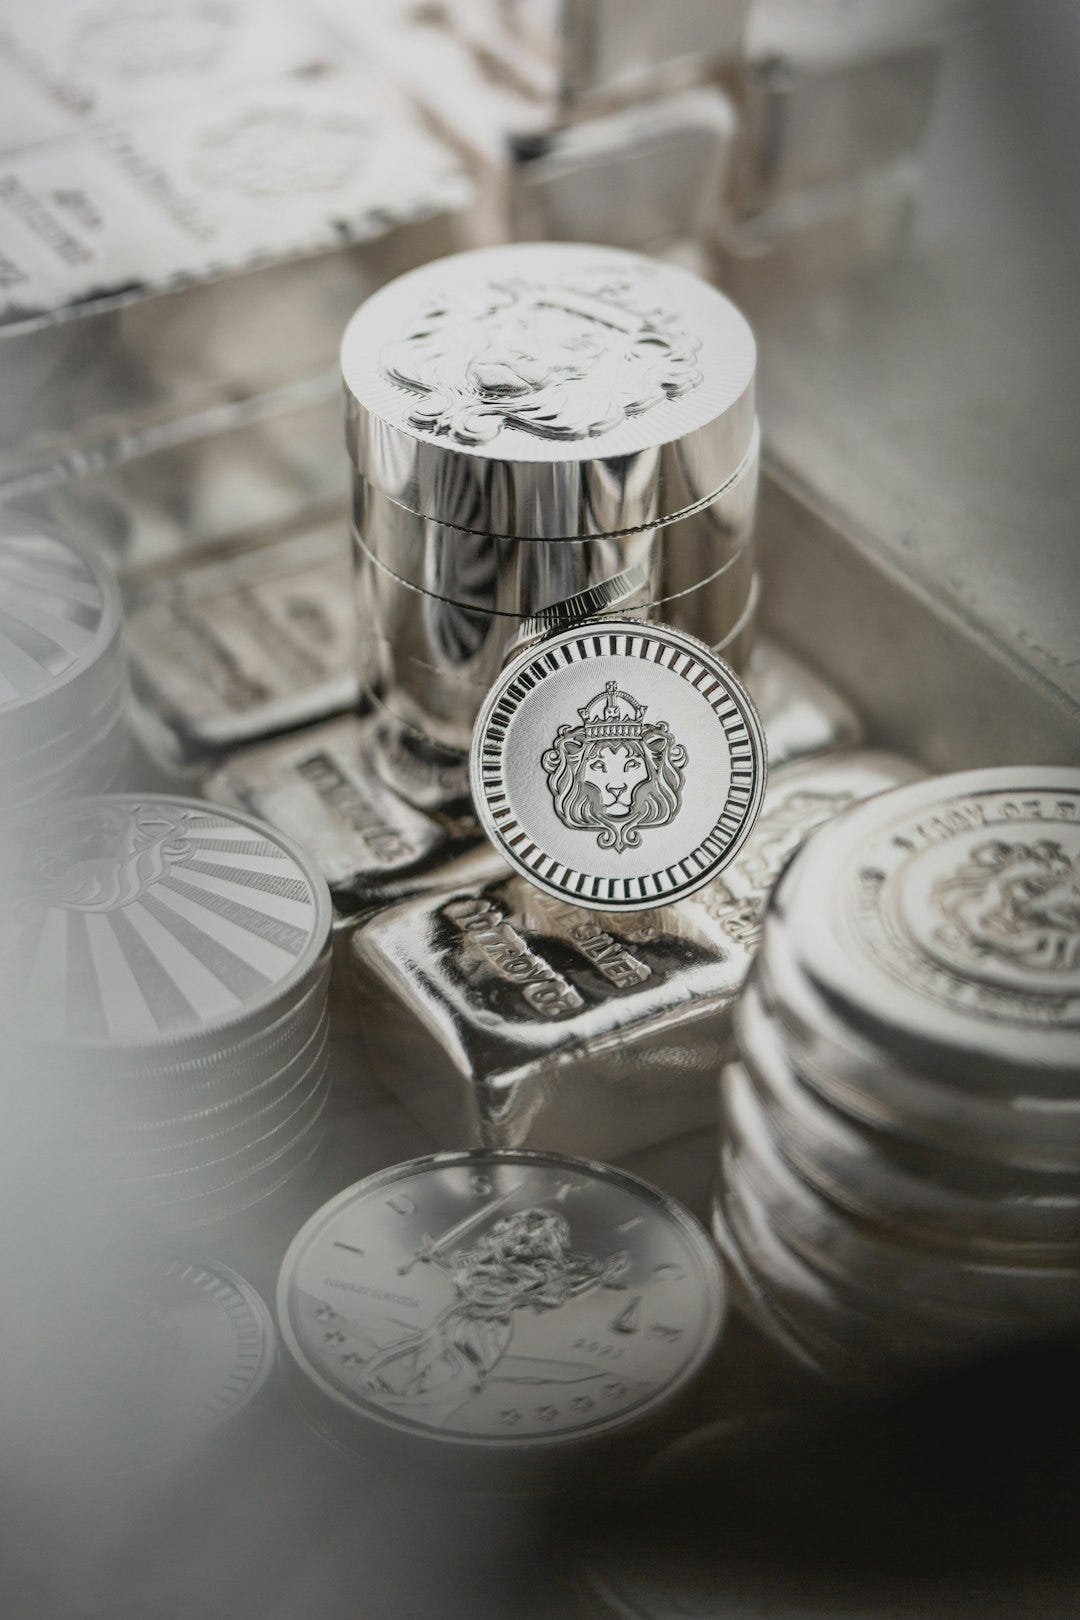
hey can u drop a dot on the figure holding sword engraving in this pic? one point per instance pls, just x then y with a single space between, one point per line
523 1260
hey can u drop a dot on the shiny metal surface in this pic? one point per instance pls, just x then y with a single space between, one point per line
326 786
519 577
549 391
501 1015
802 714
912 1189
945 923
174 493
307 191
671 155
247 645
630 819
166 930
431 662
805 124
479 1299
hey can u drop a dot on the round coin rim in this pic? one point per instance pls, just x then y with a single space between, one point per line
818 883
742 703
714 1295
105 633
276 996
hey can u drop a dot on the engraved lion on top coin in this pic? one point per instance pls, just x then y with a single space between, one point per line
615 771
1019 903
559 359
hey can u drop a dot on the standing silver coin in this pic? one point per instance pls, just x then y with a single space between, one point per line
499 1300
618 765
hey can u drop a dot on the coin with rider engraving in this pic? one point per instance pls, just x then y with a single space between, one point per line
618 765
498 1300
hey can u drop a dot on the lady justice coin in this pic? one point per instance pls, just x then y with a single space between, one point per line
618 765
498 1300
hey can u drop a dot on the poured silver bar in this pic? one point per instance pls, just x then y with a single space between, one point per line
504 1016
803 714
174 494
203 253
323 785
643 177
256 642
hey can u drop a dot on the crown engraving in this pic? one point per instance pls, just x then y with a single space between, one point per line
564 359
616 772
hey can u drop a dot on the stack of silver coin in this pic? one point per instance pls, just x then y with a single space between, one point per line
63 683
166 967
526 422
900 1165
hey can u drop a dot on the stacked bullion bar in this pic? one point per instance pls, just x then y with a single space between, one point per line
900 1166
63 684
165 986
588 122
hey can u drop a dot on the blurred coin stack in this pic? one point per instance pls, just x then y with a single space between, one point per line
63 683
165 990
900 1153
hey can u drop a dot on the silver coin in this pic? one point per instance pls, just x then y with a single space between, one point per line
147 932
618 765
499 1300
945 918
549 391
129 1362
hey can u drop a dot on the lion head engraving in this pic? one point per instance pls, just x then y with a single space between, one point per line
1019 903
616 771
562 359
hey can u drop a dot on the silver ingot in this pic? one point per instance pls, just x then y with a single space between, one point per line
339 788
943 925
549 391
293 194
618 766
504 1016
475 1301
802 714
643 177
63 682
247 645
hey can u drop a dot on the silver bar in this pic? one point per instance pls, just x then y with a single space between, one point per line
212 251
501 1016
248 645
